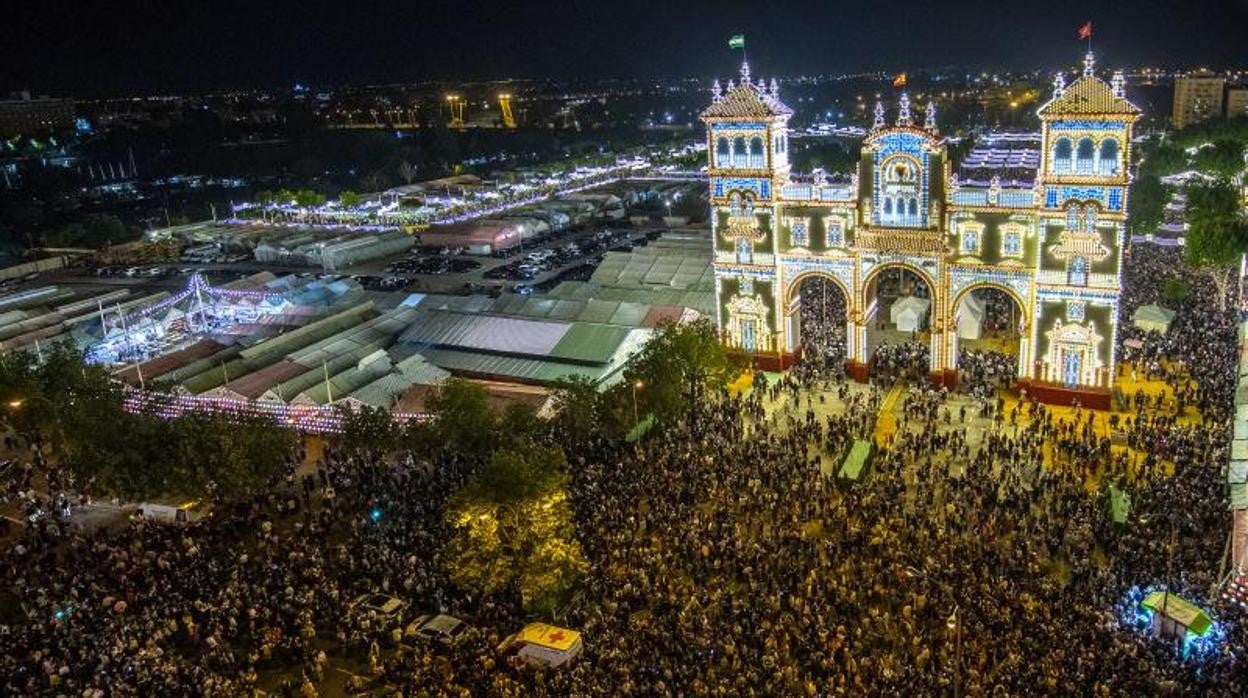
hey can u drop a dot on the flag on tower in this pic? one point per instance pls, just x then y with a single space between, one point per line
899 80
1085 32
737 41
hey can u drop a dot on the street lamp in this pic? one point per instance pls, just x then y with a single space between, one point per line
955 625
637 385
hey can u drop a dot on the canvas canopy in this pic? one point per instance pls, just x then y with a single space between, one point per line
1186 613
857 459
971 317
1152 318
908 313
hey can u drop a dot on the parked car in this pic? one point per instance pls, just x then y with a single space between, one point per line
442 629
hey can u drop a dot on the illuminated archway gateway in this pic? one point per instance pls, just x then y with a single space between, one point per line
1053 244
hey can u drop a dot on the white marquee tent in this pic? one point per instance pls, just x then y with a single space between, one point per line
908 313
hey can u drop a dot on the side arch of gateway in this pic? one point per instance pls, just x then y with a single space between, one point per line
1003 221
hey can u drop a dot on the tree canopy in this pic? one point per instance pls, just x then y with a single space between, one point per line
1217 237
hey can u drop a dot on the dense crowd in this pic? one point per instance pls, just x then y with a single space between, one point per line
724 560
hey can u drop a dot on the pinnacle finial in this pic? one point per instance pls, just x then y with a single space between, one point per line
775 89
731 85
1119 84
1089 63
903 111
1059 84
745 72
929 119
879 116
717 92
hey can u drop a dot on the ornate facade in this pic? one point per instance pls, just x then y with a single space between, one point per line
1052 243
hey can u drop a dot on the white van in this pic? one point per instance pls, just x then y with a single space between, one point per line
540 644
176 514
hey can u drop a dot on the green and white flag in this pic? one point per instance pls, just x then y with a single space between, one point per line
737 41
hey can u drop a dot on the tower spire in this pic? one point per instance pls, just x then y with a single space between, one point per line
775 89
1089 63
745 72
1119 84
929 120
1059 84
903 111
717 92
879 116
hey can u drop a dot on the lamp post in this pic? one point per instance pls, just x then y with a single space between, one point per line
955 624
637 385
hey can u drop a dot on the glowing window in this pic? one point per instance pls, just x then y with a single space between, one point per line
800 238
836 233
1012 243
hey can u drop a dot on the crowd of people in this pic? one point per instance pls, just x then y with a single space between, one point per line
724 560
984 372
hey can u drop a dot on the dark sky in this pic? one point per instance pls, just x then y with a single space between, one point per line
101 47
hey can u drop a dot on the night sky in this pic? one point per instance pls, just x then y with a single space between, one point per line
105 47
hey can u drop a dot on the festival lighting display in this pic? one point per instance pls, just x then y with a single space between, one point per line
321 419
1004 224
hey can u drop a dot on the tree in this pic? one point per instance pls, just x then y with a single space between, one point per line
80 413
1224 159
513 529
368 428
581 413
1148 203
349 198
308 198
1217 237
407 171
462 420
230 455
677 368
1176 290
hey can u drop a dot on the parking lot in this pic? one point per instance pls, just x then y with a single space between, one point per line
532 265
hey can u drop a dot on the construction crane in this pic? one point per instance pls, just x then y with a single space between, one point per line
457 111
504 103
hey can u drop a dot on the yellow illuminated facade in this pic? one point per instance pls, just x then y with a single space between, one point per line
1053 245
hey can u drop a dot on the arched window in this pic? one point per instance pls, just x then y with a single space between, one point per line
1084 156
738 151
1072 217
1061 155
888 206
914 208
1109 157
1089 217
722 157
756 152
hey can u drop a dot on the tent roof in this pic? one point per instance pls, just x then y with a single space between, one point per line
1180 609
910 303
1153 313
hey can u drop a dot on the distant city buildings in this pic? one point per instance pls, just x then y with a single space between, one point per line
1237 103
22 115
1203 95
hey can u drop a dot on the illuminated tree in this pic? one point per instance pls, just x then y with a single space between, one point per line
513 529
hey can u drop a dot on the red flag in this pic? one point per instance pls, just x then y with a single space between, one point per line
1085 32
900 80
